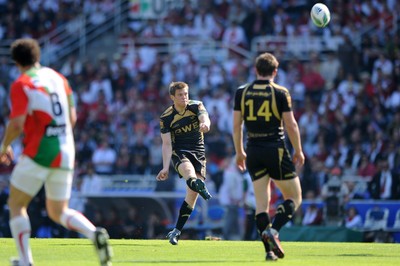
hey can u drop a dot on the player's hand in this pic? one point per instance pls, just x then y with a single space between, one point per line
298 159
162 175
241 161
204 127
6 156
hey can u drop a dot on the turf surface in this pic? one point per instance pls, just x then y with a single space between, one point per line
53 252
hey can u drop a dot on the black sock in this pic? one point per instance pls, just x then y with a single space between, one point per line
284 213
191 183
250 224
263 221
184 214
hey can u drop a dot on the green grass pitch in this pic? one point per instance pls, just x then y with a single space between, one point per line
53 252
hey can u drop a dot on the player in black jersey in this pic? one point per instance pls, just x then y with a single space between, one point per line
265 109
182 127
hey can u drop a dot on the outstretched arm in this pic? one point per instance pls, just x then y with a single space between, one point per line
205 123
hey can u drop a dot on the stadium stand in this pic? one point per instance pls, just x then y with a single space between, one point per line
376 218
396 224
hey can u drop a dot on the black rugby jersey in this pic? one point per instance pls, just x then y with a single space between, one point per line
262 104
184 128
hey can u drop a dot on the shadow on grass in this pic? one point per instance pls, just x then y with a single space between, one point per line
183 261
348 255
112 244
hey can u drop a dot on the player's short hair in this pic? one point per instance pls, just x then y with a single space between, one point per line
25 52
178 85
266 63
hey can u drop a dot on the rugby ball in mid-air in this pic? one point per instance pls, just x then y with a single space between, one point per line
320 15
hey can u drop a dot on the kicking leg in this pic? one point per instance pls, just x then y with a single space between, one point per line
193 181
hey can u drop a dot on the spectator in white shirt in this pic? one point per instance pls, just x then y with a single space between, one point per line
384 182
91 182
234 35
312 216
353 220
104 158
100 82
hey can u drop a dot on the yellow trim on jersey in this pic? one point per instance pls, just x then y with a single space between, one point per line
259 173
279 87
242 99
259 86
178 117
167 112
273 104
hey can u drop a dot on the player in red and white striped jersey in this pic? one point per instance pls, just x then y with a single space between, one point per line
42 109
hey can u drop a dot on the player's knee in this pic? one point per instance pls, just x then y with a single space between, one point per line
288 207
15 204
298 202
11 203
54 214
296 198
16 208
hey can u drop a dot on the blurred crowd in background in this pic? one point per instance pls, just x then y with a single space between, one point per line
346 101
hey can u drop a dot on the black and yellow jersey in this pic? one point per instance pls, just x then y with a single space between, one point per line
184 127
262 104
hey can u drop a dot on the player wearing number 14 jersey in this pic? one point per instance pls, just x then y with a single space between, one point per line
265 109
42 109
